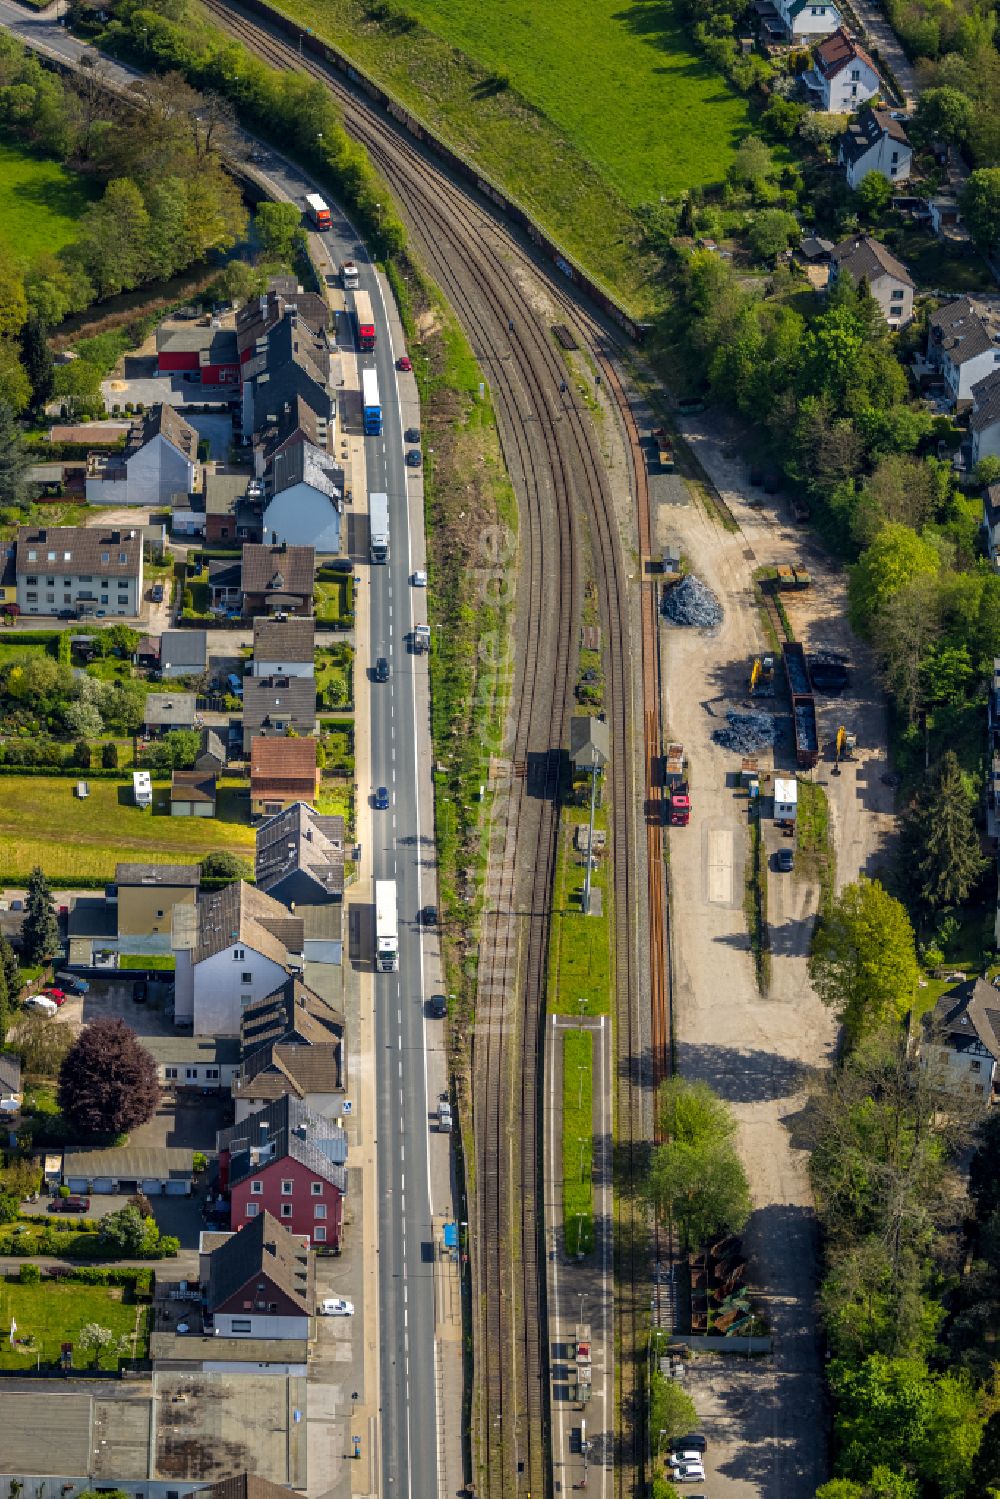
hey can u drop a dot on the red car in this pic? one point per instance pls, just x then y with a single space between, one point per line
404 362
57 996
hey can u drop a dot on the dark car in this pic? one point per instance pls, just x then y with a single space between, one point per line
439 1006
693 1442
157 594
786 860
66 614
140 991
69 1205
382 798
412 434
381 669
429 916
413 458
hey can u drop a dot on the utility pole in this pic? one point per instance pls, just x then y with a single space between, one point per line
590 839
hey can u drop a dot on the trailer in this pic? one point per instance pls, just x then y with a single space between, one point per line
386 927
664 449
318 212
378 526
142 788
680 804
806 732
674 764
797 670
349 275
370 403
364 321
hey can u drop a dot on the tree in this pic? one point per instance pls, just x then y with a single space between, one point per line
943 858
14 457
239 281
113 238
225 866
99 1340
279 230
84 718
979 201
942 114
896 556
36 356
696 1179
752 165
41 1046
671 1409
109 755
772 231
874 195
40 933
984 1168
108 1082
82 754
128 1235
9 1206
864 963
986 471
10 968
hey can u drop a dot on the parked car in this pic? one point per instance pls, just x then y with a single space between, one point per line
429 915
687 1473
157 594
38 1004
140 991
412 434
786 860
444 1115
439 1006
72 984
413 458
336 1306
419 578
404 362
69 1205
694 1441
382 669
57 996
382 798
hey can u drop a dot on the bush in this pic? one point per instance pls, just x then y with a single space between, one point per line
29 1275
169 1246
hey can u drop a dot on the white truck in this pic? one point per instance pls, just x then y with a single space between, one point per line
349 275
378 525
386 927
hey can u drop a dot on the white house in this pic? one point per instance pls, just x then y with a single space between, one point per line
283 647
984 423
83 568
875 142
963 343
232 949
962 1040
783 21
160 461
862 258
259 1283
305 489
843 75
786 799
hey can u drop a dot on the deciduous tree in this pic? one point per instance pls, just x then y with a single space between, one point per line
864 963
108 1082
696 1180
980 203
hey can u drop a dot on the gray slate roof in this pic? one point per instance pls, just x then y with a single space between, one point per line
279 569
184 648
292 1013
968 1014
130 1162
986 402
301 462
241 914
10 1074
966 328
861 256
70 550
284 639
301 839
585 736
296 1133
865 132
171 710
263 1249
188 875
285 698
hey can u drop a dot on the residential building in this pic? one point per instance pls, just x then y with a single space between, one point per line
195 1062
283 647
289 362
815 250
304 498
784 21
158 1171
962 1040
295 422
875 142
292 1015
991 522
300 856
147 653
11 1094
946 219
843 75
183 653
274 705
259 315
225 586
160 460
863 258
963 343
278 579
235 947
169 710
292 1042
192 793
282 771
206 353
84 568
984 423
232 506
211 752
291 1163
259 1283
144 897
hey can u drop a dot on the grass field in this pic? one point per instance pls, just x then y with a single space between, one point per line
578 1141
580 949
51 1314
42 822
40 203
607 106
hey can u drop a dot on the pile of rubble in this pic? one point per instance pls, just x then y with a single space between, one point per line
747 732
690 602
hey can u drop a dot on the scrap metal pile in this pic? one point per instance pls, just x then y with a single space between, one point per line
747 732
690 602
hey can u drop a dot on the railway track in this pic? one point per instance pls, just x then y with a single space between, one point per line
553 457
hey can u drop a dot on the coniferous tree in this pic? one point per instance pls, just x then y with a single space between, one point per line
41 930
36 356
944 859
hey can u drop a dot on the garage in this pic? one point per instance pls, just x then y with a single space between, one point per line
154 1170
177 1188
153 1188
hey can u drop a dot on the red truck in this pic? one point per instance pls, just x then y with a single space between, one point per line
678 790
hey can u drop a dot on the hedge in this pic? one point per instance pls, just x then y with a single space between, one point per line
30 637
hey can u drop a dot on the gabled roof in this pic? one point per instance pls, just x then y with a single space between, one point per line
256 317
184 648
211 746
244 1486
240 914
301 839
164 421
966 328
589 737
991 511
192 786
968 1014
863 258
153 875
286 1130
299 420
79 549
301 462
268 698
284 639
262 1250
289 1067
292 1014
838 52
867 130
986 402
10 1074
279 569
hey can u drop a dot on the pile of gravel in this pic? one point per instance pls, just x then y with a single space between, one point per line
747 732
690 602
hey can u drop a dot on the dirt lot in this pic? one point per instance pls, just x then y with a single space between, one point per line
765 1416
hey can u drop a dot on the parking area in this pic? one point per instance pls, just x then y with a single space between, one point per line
115 997
336 1364
140 382
187 1121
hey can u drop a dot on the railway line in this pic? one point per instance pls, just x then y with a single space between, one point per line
552 453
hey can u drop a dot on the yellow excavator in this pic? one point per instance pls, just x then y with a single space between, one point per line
761 674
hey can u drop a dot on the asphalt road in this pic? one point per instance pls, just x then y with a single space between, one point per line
409 1416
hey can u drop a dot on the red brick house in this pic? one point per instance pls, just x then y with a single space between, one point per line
289 1162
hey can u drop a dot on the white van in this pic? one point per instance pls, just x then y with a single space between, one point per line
39 1005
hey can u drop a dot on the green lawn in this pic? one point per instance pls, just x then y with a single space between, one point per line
607 106
40 204
580 949
335 675
51 1313
334 600
578 1141
11 649
337 736
42 822
336 799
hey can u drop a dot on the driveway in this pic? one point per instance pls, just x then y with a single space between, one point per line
884 40
140 382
